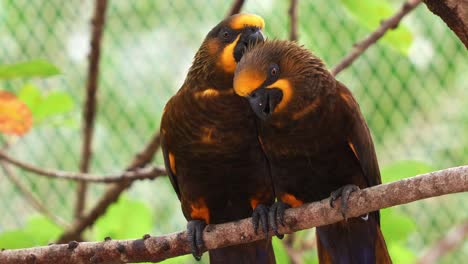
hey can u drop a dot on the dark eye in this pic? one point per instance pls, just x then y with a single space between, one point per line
274 72
225 35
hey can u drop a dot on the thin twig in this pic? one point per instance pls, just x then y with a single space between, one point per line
89 111
29 196
293 20
146 155
138 174
155 249
449 242
361 46
236 7
112 193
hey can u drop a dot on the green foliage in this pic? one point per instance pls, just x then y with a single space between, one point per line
38 231
185 259
404 169
401 254
281 254
370 13
396 226
45 105
125 219
33 68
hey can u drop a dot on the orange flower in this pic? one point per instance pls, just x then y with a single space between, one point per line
15 116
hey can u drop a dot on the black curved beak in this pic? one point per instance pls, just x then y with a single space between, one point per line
264 100
250 36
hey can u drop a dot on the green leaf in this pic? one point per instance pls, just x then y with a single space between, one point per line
38 231
45 106
54 103
43 229
124 219
401 254
395 225
404 169
370 13
34 68
281 254
30 95
183 259
15 239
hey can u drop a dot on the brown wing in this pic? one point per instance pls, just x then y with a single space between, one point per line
360 139
165 127
170 173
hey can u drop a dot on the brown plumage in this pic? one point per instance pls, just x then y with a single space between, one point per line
317 143
210 144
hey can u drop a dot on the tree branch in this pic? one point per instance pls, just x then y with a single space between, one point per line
112 193
138 174
361 46
89 112
236 7
293 20
432 184
449 242
29 196
455 15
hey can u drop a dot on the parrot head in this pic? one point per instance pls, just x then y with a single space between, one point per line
224 46
280 78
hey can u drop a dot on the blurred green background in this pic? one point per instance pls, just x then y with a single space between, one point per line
412 88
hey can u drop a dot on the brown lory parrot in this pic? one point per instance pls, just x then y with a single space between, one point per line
210 145
317 143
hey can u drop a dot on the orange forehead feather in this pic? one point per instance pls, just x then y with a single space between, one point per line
246 81
246 20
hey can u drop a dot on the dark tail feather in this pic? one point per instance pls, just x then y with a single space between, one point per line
354 241
381 251
255 252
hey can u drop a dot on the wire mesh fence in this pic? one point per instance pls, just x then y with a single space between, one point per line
414 98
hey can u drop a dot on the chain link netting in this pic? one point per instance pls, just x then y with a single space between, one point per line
415 103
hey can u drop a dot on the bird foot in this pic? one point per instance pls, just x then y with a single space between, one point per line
260 217
344 193
276 216
195 237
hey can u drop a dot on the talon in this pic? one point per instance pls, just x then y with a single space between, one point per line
260 216
343 192
195 237
276 216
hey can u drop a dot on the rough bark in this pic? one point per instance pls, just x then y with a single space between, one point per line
454 13
155 249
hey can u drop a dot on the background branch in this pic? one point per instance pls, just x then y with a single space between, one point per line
112 193
29 196
138 174
449 242
236 7
89 112
215 236
293 20
361 46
